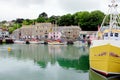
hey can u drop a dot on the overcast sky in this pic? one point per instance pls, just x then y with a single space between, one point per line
12 9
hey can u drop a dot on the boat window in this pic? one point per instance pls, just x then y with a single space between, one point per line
111 34
116 34
106 35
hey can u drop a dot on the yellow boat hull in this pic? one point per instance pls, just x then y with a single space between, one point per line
105 59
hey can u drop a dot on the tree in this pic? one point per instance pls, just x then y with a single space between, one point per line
41 20
27 22
82 19
19 20
11 29
44 15
3 22
96 18
88 21
76 18
66 20
54 19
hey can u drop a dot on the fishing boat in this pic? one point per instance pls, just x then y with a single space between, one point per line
34 41
96 76
56 43
105 51
19 42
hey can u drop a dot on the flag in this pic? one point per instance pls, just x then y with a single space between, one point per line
98 27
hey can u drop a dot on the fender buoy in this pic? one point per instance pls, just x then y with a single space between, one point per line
9 49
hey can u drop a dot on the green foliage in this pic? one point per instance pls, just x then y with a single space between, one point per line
14 27
44 15
96 18
19 20
107 20
27 22
11 29
41 20
54 19
66 20
82 19
86 20
4 21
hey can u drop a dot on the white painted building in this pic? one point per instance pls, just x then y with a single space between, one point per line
54 35
4 33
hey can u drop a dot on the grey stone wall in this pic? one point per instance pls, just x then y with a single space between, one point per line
41 30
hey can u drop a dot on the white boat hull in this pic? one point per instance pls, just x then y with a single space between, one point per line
19 42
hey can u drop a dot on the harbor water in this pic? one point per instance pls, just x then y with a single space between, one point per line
43 62
46 62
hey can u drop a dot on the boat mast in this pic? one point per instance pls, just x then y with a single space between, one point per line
114 16
113 24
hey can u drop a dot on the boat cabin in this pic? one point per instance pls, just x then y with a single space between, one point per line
111 35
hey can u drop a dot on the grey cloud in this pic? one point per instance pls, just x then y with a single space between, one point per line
24 3
32 8
79 5
30 1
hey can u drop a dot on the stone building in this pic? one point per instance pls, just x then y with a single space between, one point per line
71 32
41 31
68 32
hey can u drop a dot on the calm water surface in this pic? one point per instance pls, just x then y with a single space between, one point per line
44 62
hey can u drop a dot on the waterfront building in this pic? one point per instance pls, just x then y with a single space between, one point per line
85 34
71 32
4 33
54 35
39 30
46 31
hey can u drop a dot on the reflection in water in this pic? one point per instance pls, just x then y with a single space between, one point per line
68 55
96 76
79 64
58 62
56 48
